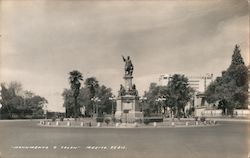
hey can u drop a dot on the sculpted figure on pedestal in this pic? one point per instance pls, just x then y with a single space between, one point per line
128 66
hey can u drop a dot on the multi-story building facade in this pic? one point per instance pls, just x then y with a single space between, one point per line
198 83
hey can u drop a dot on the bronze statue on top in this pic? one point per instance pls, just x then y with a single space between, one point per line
128 66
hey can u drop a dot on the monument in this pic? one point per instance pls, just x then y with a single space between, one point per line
128 109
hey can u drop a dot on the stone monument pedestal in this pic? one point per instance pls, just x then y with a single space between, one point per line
128 109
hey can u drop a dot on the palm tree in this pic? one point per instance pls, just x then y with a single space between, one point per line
93 85
74 80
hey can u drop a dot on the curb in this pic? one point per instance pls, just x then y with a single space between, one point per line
48 124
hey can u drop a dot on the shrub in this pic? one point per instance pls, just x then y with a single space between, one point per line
203 119
53 119
119 120
146 121
138 120
99 119
153 119
107 120
61 118
196 118
114 120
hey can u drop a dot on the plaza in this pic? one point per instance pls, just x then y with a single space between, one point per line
25 139
125 79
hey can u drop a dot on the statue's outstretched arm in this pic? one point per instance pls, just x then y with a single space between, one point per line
123 58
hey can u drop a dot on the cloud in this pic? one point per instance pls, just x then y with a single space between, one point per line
43 40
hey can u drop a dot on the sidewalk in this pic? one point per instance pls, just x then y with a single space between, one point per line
213 118
232 119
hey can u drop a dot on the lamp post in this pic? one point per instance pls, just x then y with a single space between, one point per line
142 100
45 111
157 100
193 103
112 101
160 100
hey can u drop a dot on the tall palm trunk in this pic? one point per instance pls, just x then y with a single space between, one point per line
75 77
75 109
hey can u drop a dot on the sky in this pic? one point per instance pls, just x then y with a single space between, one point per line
43 40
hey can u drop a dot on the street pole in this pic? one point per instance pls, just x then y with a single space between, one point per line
46 110
112 110
112 99
143 99
160 104
93 107
97 109
157 101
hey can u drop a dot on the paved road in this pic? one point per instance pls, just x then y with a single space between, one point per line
24 139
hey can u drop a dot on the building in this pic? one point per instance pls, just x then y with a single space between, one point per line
198 83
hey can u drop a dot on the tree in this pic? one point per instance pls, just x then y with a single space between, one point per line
104 93
16 87
34 105
6 101
231 89
152 94
92 84
99 91
75 84
11 99
178 94
175 95
69 103
91 89
18 103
